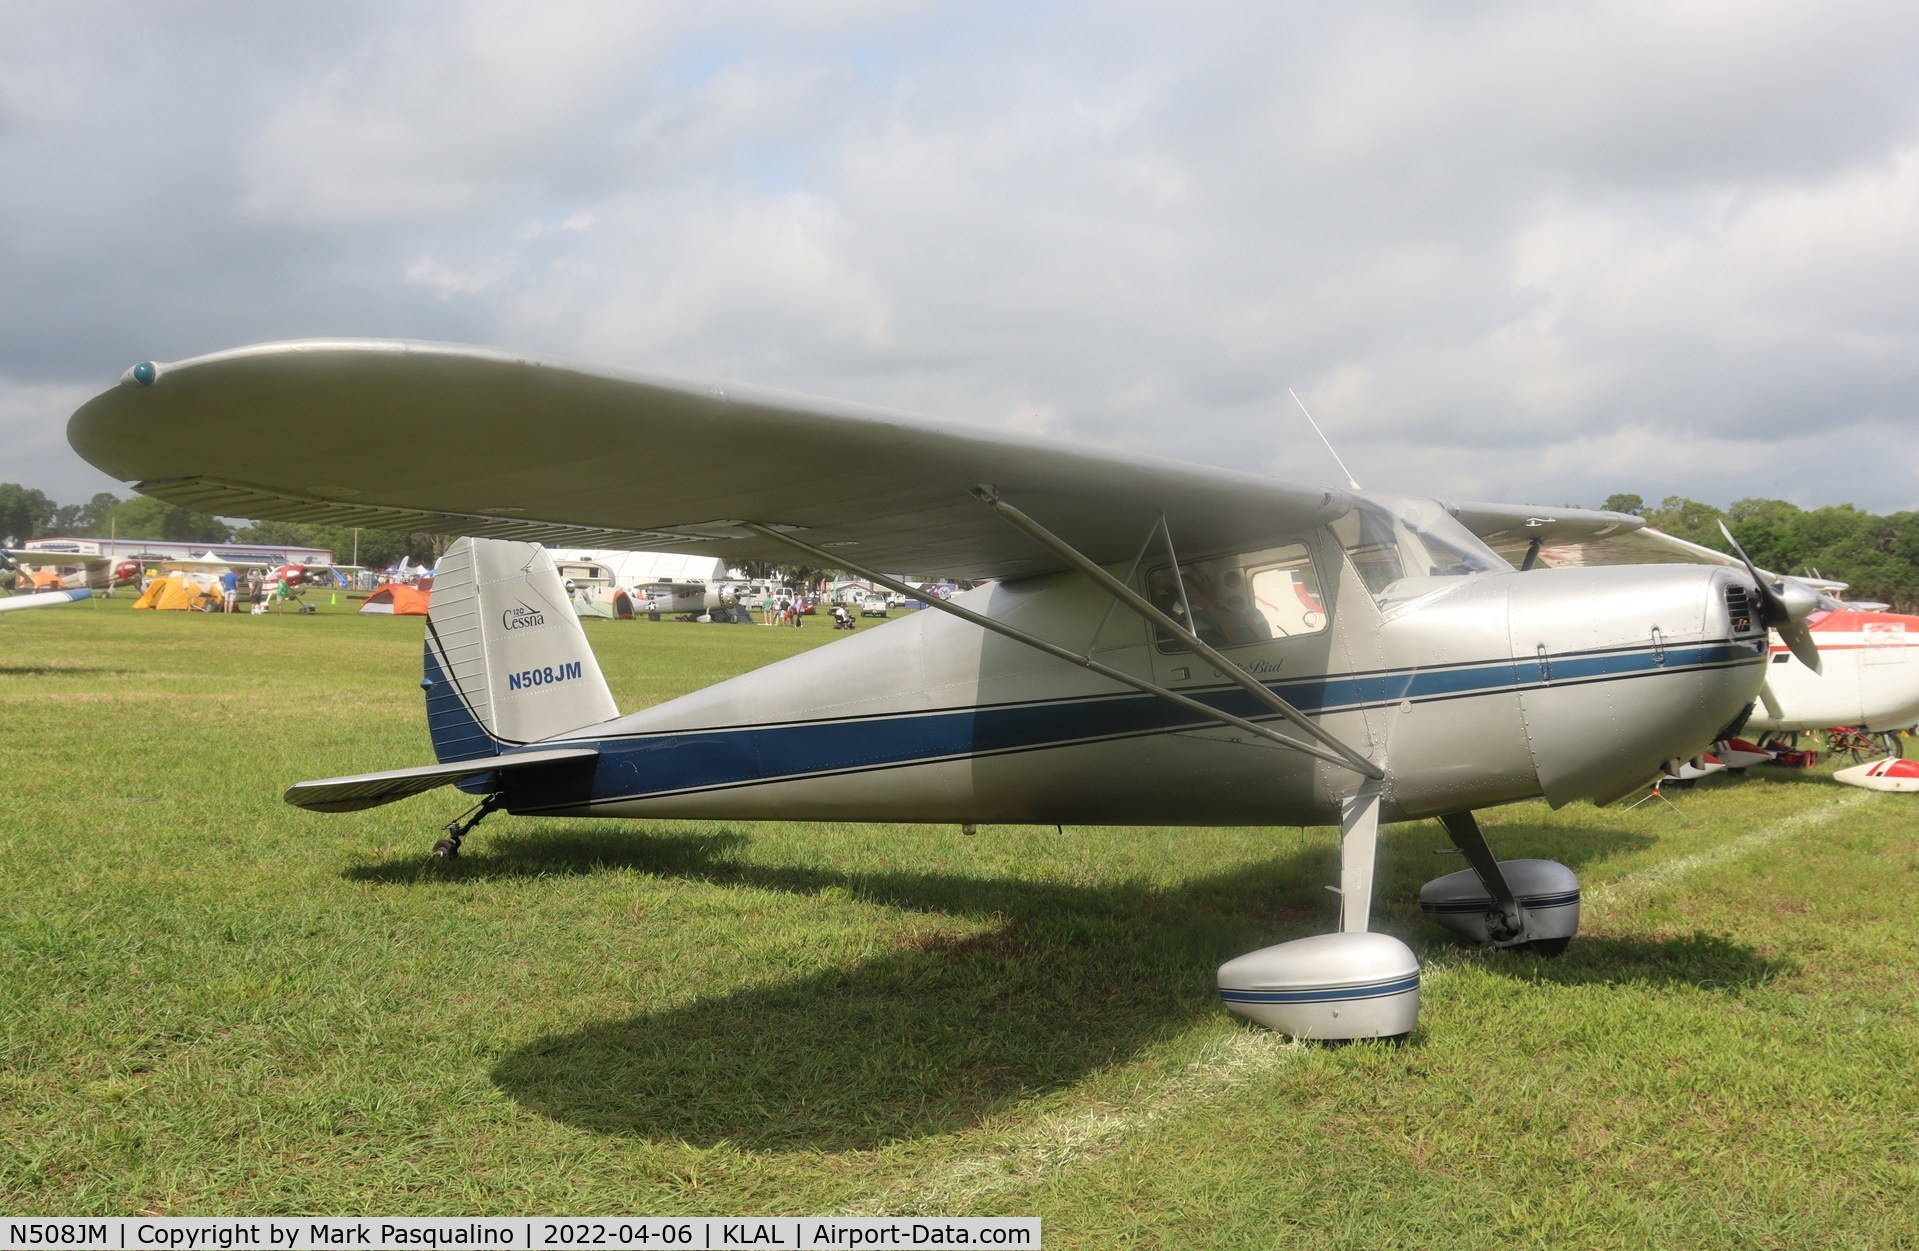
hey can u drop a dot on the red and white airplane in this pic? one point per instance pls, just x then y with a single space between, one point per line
1869 675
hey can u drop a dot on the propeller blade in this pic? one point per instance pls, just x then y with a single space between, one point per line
1799 639
1784 605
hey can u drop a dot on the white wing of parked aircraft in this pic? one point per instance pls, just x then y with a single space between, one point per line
1162 643
42 599
94 572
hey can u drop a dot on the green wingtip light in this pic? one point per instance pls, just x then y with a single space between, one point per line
144 373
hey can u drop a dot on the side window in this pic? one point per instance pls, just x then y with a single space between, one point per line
1240 600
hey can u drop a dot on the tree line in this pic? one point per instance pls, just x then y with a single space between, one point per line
26 513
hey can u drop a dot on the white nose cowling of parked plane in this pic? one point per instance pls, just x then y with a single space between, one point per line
1626 668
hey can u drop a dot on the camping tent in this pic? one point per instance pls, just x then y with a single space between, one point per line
178 593
205 562
397 599
603 601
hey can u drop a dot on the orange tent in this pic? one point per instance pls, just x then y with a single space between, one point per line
177 593
397 599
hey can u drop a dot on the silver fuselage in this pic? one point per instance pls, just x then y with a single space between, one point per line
1468 691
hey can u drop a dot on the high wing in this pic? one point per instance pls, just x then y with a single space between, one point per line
412 436
98 570
1510 529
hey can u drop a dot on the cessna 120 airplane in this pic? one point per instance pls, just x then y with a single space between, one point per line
1161 642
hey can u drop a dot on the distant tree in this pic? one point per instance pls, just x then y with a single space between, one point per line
67 519
144 517
1634 504
1899 540
96 514
1689 520
24 512
375 549
1772 532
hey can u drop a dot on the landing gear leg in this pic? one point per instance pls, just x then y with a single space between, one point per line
1358 844
1503 920
1545 922
457 829
1333 987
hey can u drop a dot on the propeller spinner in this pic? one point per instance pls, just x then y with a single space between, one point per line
1785 605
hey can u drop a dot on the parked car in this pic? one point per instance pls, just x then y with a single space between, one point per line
873 606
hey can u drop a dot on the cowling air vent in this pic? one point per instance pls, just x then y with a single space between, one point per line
1742 607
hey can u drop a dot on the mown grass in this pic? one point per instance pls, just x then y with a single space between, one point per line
213 1003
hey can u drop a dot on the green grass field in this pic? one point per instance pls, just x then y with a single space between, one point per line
214 1003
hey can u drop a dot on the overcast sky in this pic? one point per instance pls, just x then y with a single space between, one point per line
1516 252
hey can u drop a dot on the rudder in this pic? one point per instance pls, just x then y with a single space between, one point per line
506 660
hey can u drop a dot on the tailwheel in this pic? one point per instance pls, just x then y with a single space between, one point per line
457 829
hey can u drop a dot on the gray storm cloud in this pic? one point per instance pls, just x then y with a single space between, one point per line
1504 251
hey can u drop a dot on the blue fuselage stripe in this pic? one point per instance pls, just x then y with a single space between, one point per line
674 762
1323 994
1566 900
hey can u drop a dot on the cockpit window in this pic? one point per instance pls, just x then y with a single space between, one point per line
1240 600
1400 546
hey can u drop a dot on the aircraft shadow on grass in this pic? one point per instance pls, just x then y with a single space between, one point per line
56 670
937 1036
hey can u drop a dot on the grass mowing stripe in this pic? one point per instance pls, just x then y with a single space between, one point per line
1059 1141
1656 876
1224 1065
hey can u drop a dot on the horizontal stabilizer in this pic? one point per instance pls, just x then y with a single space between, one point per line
370 790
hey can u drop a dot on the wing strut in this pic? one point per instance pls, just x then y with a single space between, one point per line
839 560
1146 609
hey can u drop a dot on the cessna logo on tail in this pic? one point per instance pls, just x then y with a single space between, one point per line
520 617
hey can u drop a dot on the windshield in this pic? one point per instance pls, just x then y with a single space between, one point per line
1404 548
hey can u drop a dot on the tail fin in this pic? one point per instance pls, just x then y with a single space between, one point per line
506 660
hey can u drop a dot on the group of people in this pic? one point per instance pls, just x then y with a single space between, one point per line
789 612
260 588
782 611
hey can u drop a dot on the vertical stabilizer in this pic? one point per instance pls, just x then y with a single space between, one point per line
506 660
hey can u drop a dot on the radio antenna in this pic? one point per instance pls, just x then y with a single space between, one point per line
1350 480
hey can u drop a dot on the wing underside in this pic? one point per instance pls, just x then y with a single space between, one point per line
407 436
